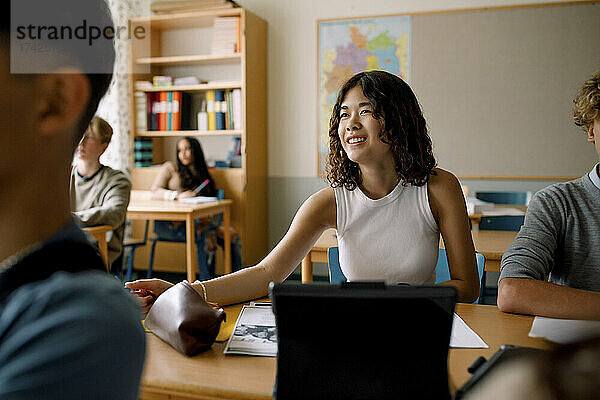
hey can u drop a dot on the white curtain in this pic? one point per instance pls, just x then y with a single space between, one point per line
114 107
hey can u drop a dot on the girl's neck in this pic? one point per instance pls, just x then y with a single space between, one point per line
378 183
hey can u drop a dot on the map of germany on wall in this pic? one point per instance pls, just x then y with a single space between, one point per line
347 47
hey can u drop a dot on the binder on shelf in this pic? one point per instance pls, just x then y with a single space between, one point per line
142 152
162 111
176 111
153 114
141 119
169 111
236 100
210 109
186 119
220 108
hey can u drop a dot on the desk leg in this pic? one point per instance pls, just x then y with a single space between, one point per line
307 269
190 249
227 240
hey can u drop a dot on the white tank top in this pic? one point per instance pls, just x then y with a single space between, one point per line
395 238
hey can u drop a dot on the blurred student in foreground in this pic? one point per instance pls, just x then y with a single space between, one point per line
67 329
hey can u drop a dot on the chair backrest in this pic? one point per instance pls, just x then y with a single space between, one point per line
442 271
335 272
502 223
515 198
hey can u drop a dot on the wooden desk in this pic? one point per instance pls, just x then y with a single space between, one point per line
98 232
211 375
142 206
476 217
492 244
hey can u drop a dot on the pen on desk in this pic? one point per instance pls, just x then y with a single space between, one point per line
201 186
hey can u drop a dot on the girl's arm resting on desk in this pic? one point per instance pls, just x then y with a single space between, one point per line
314 216
448 206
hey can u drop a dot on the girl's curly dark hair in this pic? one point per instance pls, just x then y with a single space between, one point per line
193 175
403 127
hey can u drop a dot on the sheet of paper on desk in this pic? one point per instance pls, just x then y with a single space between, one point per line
254 332
463 337
198 199
564 330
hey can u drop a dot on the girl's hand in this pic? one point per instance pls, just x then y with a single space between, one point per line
185 195
146 291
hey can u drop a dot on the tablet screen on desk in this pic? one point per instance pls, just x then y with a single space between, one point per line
362 340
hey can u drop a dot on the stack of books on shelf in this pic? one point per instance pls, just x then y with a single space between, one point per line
223 109
226 35
167 7
163 111
142 152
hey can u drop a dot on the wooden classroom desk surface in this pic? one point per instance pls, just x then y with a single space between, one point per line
142 206
98 232
213 375
492 244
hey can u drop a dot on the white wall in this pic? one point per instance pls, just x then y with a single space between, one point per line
292 70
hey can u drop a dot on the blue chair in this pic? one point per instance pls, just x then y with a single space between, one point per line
515 198
181 238
133 244
442 271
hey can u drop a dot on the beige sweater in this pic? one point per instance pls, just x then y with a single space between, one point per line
102 200
166 181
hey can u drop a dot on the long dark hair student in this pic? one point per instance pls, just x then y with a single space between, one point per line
196 172
403 127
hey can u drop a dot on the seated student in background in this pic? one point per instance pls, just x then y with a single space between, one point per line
553 267
67 329
178 181
386 199
100 194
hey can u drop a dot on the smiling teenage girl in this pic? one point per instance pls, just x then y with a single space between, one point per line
386 199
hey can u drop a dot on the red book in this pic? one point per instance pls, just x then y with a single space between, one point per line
176 112
162 115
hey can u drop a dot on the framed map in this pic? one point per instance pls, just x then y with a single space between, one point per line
349 46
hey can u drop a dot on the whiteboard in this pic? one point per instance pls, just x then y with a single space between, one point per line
496 87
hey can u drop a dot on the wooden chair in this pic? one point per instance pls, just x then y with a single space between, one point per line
442 271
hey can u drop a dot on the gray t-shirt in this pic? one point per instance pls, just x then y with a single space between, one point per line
559 240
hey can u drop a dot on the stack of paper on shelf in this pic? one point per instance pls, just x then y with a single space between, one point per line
167 7
225 35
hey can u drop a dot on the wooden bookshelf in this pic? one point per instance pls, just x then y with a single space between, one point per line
179 45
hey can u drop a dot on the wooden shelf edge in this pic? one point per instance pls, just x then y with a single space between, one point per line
191 59
175 20
187 133
192 88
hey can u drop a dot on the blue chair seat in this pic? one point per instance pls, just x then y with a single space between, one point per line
442 270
